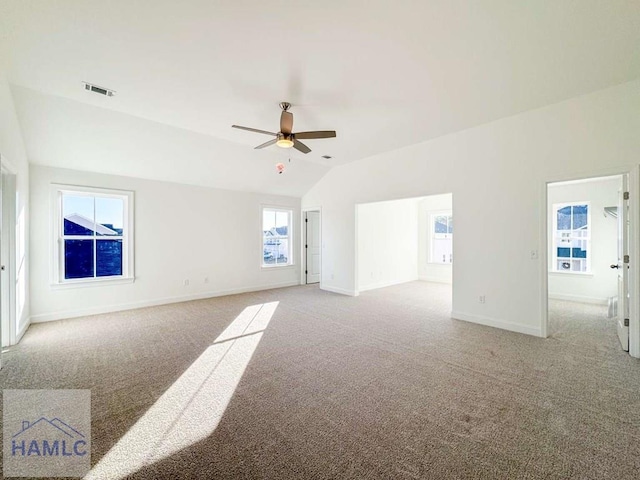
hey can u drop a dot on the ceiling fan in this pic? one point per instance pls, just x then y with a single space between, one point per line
285 138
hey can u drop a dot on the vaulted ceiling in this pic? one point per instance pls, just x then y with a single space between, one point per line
383 74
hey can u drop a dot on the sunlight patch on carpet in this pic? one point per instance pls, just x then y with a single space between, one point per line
191 409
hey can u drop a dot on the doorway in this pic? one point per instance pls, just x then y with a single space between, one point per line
406 240
588 275
312 247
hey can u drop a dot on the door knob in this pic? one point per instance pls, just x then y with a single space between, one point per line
615 266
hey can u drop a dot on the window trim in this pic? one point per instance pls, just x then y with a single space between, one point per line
57 233
432 221
290 236
554 248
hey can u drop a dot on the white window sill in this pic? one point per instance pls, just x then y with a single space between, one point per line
277 267
580 274
448 264
82 283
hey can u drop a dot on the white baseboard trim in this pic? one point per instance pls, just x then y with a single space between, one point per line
386 284
49 317
490 322
579 298
341 291
435 279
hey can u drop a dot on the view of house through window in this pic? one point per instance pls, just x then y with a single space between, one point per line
572 237
92 235
441 238
276 237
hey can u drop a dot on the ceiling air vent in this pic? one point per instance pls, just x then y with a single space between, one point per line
327 157
101 90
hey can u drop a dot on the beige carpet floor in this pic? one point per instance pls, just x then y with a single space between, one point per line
382 386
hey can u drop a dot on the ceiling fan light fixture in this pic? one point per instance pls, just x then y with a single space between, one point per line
284 141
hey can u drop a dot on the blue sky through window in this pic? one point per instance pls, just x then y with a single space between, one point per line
108 211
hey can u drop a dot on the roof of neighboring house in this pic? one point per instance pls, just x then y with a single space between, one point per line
89 224
277 231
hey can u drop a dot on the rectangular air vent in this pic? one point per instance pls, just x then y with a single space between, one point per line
96 89
327 157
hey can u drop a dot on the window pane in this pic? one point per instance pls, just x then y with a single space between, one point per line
270 249
269 254
564 218
441 250
282 251
268 220
564 265
109 258
564 252
580 216
282 223
275 237
77 212
578 253
440 224
78 258
450 224
109 216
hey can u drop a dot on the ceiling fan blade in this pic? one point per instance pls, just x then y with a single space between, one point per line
286 122
267 144
317 134
254 130
300 146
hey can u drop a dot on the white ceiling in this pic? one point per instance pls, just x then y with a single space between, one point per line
383 74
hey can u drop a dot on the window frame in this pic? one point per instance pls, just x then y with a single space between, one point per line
554 247
432 233
58 236
289 236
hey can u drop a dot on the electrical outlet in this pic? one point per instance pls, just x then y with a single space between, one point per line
186 282
482 298
206 279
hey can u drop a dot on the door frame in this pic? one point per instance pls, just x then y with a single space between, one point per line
303 236
633 173
9 334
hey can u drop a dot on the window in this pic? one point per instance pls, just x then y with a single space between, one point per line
441 238
572 237
276 237
93 234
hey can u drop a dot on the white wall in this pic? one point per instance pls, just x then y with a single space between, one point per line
432 272
14 158
602 282
387 243
181 232
497 174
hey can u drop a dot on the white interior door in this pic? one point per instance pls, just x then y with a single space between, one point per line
312 246
623 264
